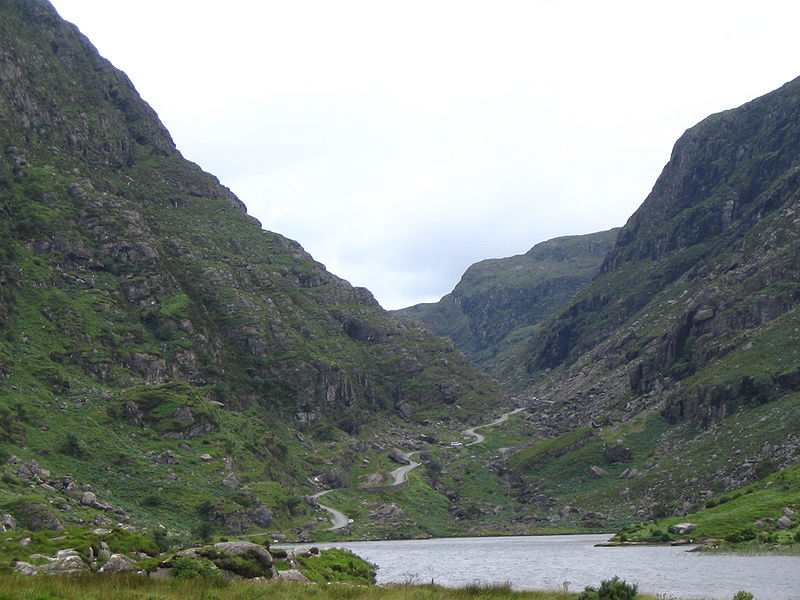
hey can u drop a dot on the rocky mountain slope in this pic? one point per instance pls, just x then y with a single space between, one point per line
499 301
157 345
684 347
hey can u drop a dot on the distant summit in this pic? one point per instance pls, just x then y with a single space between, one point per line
499 301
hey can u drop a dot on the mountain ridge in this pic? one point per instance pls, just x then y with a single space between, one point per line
149 321
496 298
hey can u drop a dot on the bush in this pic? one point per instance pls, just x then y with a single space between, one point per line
161 540
658 535
185 567
610 589
743 535
740 595
205 531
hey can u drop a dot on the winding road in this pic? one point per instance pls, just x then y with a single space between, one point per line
478 437
338 518
400 474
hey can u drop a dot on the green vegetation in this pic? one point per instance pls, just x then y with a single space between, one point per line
746 518
611 589
132 587
336 565
169 366
528 458
85 541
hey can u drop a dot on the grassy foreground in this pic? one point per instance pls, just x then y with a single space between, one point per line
134 587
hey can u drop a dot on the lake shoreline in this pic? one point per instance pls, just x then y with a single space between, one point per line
548 562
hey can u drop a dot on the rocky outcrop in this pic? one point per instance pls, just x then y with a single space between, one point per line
498 296
237 559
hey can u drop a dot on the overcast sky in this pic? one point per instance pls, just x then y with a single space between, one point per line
399 142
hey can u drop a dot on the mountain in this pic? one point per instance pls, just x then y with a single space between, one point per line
678 367
501 300
166 361
157 345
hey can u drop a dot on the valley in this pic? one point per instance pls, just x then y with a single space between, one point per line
172 374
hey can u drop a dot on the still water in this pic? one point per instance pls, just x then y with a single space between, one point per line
547 562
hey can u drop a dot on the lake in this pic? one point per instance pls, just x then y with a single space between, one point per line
547 562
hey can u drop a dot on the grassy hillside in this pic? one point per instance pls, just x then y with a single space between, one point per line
158 348
762 515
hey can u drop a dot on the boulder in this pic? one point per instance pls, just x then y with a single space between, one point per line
261 516
168 458
630 474
38 517
598 472
237 548
386 513
251 561
88 499
231 482
104 553
66 562
32 470
8 523
24 568
373 480
399 456
618 453
292 575
206 457
683 528
119 563
783 523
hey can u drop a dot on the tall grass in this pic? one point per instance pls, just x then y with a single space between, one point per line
135 587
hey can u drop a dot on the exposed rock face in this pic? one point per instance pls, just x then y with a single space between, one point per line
715 238
39 517
145 285
126 216
694 314
498 296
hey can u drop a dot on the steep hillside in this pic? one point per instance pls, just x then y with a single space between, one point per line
157 344
686 344
500 301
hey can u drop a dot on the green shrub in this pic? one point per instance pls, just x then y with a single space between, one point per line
658 535
740 595
186 567
610 589
161 540
205 531
743 535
